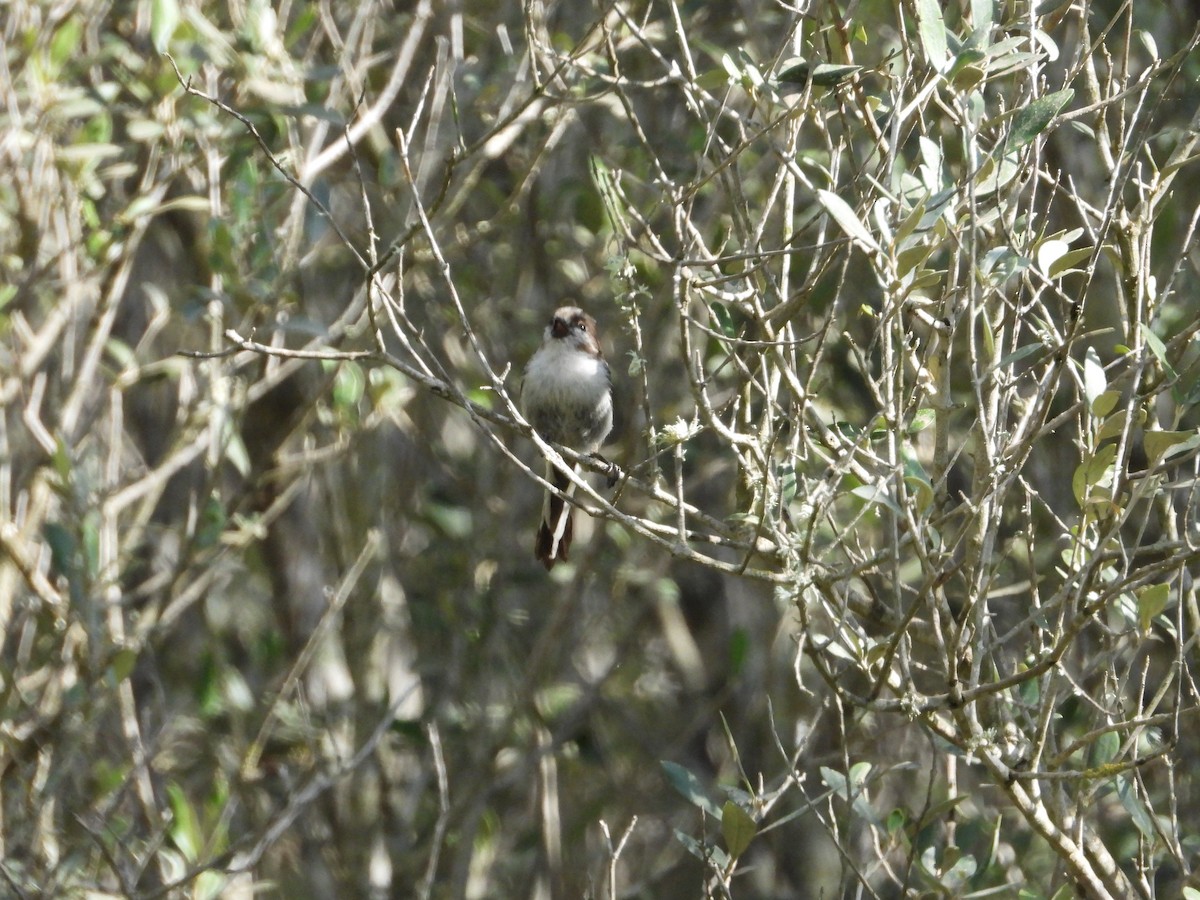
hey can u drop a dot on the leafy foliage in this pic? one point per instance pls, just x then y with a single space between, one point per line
895 594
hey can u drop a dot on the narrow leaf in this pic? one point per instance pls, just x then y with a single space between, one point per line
1094 381
829 74
1136 809
911 221
982 16
932 30
846 218
835 781
875 493
1159 349
703 852
1033 119
164 19
689 786
794 71
797 70
922 419
724 319
1019 354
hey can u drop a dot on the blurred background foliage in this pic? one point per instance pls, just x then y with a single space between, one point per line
272 625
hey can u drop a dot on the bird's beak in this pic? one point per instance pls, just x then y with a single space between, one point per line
559 328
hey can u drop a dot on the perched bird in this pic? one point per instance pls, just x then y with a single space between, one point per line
567 398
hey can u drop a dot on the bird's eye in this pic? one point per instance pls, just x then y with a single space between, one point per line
581 324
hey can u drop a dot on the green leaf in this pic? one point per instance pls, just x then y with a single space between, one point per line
982 16
63 547
737 827
689 786
1094 380
966 77
348 385
996 173
731 69
235 451
185 826
1106 748
835 781
1136 809
1001 263
712 80
875 493
1159 349
846 218
858 774
454 521
1151 600
956 877
830 74
1048 252
921 491
164 19
1114 425
1033 119
932 30
138 208
703 852
1064 263
798 71
922 419
65 42
122 663
795 71
911 257
911 221
187 203
1160 444
1105 402
1093 471
1019 354
1148 43
850 789
724 319
938 811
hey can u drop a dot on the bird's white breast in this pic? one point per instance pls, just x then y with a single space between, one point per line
567 396
559 371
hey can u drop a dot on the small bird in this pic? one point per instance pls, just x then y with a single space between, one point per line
567 398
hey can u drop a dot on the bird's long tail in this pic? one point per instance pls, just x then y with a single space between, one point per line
554 535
